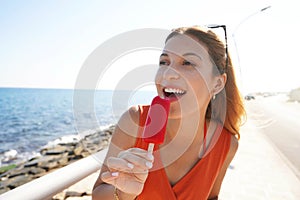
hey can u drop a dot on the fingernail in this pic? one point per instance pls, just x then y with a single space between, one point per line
131 166
150 156
115 174
149 164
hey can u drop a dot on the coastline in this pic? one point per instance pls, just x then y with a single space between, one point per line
55 155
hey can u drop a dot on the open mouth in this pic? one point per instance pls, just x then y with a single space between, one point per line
173 93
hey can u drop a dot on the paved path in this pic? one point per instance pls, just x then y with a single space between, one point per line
278 119
258 172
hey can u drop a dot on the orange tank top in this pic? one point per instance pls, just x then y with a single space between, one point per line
198 182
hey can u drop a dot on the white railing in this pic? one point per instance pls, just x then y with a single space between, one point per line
50 184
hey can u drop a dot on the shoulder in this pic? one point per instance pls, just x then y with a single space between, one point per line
230 155
126 130
124 136
129 118
231 142
234 144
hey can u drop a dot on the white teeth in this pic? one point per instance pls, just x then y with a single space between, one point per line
173 90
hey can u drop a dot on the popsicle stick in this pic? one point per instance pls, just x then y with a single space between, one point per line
150 148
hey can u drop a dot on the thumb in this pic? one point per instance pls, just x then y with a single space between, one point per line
109 177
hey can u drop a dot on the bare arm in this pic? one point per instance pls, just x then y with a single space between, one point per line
124 167
217 185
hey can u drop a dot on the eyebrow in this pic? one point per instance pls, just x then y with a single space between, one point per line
164 54
193 54
186 54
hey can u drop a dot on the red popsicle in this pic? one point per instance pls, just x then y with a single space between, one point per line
156 122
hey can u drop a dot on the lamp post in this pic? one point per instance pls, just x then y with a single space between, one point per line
238 26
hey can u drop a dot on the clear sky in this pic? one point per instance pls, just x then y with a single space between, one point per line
43 44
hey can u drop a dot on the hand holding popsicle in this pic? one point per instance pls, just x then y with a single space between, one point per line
156 122
133 164
128 171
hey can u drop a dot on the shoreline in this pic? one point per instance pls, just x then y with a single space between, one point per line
12 156
54 156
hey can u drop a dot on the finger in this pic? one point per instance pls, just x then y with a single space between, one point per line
119 164
109 177
137 161
139 152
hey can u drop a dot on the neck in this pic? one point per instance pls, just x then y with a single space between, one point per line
184 135
189 127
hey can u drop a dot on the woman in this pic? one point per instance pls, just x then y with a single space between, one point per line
201 139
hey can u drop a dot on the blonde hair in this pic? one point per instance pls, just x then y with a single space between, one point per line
229 102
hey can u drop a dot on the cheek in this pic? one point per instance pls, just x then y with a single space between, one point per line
205 79
200 85
197 80
159 76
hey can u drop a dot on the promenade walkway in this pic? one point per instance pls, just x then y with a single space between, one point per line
257 172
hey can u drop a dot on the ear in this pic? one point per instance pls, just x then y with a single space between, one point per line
219 84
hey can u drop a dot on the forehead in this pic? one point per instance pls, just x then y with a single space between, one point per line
183 44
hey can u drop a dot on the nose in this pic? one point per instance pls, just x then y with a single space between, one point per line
170 73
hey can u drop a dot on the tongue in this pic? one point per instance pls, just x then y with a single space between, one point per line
172 95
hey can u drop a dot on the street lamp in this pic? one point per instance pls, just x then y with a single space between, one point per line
237 27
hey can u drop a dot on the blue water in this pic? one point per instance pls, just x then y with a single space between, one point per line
30 118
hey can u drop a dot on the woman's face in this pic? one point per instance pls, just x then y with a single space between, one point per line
185 76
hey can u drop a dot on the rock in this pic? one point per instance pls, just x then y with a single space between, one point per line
49 166
74 194
18 172
78 149
66 194
36 170
59 149
63 161
4 189
32 163
17 181
56 156
59 196
79 198
53 161
85 154
74 158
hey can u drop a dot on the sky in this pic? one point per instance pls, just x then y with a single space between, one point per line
43 44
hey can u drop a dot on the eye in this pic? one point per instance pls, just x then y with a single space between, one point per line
187 63
163 63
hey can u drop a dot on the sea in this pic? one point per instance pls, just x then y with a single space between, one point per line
33 118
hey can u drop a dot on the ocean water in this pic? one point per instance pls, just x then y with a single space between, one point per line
31 118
